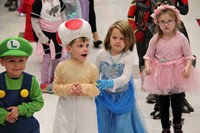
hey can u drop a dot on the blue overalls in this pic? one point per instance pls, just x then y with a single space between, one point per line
13 98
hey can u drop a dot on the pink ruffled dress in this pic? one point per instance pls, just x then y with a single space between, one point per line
167 60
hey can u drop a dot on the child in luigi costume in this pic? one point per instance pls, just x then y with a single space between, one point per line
20 93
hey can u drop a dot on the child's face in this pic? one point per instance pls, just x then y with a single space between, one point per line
167 23
14 65
117 42
79 50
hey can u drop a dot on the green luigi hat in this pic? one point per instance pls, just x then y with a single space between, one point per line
15 46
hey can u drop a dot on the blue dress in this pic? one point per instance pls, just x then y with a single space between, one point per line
117 111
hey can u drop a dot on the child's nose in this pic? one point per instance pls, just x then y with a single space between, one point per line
17 63
117 40
85 48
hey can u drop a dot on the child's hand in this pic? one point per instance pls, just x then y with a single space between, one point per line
186 72
147 70
147 67
13 114
10 120
104 84
76 90
72 89
48 43
186 69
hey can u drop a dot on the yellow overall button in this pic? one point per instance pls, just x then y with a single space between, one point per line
24 93
2 94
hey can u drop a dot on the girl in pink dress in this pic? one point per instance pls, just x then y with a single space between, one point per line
168 66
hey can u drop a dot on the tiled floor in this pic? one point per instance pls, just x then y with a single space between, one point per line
107 12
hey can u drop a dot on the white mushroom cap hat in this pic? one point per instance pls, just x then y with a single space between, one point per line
72 29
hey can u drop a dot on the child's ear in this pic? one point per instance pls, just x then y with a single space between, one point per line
68 48
1 61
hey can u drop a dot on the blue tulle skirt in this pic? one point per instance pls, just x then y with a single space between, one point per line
118 112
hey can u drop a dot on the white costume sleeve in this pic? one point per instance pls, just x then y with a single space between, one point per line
36 27
127 73
126 59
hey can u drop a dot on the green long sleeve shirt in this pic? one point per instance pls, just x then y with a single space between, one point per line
25 109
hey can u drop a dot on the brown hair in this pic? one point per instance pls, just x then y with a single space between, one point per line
126 30
83 39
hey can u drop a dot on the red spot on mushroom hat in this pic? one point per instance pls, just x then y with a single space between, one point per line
72 29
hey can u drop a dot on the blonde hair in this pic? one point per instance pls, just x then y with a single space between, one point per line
126 30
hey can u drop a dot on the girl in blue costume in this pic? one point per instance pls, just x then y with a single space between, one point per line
116 105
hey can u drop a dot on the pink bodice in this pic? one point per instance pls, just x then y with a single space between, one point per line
168 50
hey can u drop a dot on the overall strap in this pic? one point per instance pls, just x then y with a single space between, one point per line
2 81
15 97
27 81
26 84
